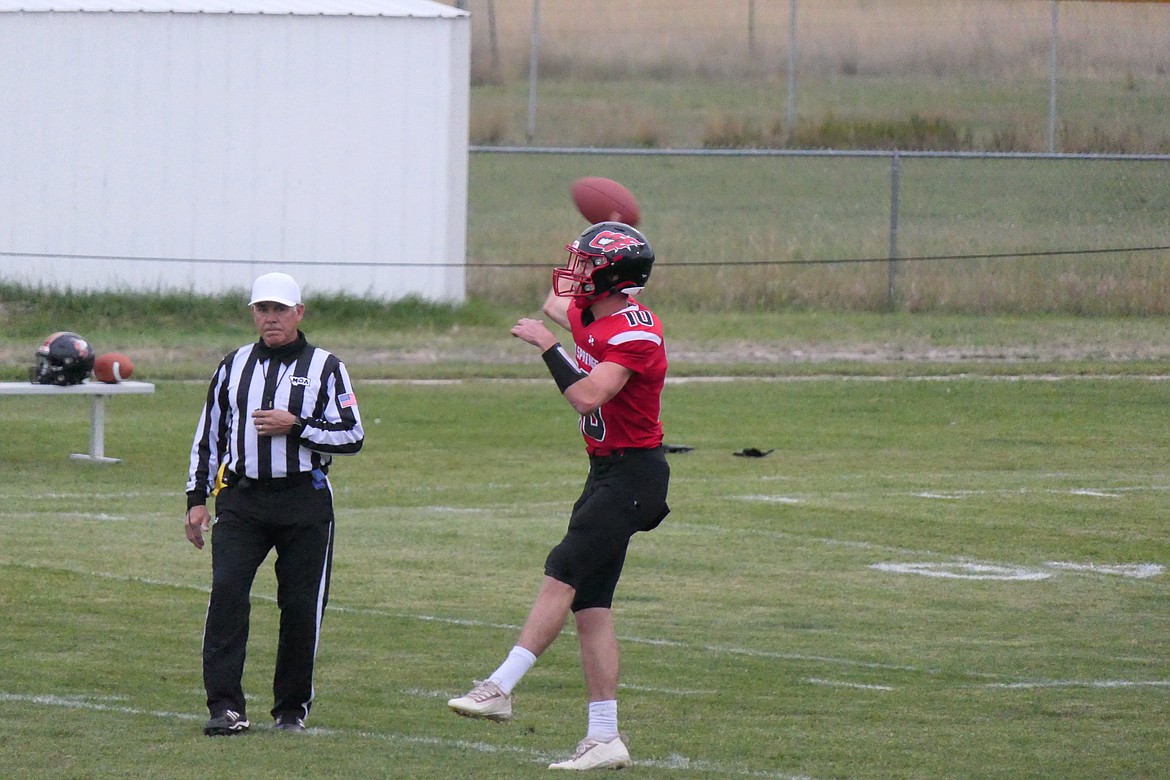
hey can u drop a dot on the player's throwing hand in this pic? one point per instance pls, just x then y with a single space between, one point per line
534 332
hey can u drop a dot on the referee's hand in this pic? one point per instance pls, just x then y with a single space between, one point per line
197 523
273 422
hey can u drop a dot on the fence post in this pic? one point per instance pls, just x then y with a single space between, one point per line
493 38
752 30
1052 63
790 106
892 262
533 57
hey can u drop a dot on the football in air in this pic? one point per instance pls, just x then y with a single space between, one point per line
604 200
112 367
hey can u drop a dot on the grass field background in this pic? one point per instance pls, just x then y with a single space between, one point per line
782 623
690 73
761 234
952 564
183 336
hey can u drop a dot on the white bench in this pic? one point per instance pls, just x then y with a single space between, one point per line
99 391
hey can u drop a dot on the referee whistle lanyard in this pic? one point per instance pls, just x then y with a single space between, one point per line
285 355
272 381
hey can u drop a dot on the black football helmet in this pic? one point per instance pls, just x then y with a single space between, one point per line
608 257
64 359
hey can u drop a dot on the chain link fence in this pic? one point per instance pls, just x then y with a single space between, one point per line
995 156
998 75
853 231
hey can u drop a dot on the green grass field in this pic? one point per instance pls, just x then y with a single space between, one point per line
952 565
925 579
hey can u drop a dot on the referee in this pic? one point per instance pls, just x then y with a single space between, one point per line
276 413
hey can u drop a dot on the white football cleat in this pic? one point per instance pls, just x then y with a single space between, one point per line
592 754
485 700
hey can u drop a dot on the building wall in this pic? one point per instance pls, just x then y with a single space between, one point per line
226 145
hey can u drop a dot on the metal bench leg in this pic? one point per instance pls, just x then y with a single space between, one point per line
97 434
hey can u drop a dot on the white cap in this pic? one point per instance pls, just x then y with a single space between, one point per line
276 287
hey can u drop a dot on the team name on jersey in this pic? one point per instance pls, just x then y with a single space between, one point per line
585 359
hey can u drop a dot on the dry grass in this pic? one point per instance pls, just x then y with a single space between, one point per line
689 73
986 38
806 233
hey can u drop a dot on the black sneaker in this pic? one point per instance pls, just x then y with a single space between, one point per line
286 722
226 724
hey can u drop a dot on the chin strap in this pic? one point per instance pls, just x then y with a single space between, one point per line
593 298
564 371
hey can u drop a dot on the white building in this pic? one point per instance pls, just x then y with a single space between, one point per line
194 144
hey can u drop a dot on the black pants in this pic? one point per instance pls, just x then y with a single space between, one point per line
250 521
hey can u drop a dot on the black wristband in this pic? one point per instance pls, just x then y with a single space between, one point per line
564 371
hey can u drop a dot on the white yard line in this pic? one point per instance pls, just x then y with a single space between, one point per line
1081 684
844 684
884 378
675 762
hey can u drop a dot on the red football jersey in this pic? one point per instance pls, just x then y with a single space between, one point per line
631 338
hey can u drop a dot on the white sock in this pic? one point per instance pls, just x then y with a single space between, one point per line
515 666
602 720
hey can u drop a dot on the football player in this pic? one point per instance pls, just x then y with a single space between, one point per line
614 380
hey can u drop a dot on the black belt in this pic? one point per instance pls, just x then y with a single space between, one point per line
232 479
602 452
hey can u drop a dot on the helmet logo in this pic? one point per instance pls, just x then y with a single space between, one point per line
610 241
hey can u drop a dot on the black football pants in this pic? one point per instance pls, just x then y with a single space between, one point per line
250 521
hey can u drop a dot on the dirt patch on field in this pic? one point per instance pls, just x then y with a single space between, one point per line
896 353
739 353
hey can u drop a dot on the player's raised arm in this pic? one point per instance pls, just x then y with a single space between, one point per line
585 392
556 308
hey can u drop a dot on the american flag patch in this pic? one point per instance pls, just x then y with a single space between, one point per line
346 400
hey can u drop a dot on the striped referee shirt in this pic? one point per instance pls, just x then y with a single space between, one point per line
309 382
